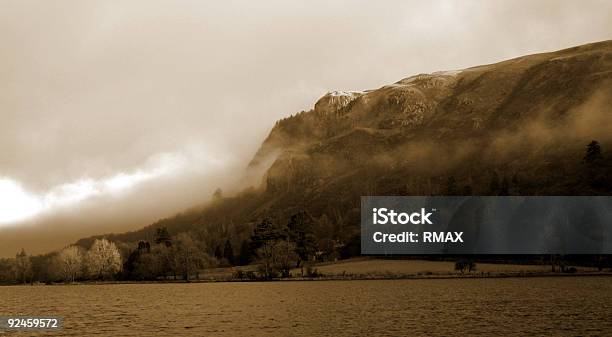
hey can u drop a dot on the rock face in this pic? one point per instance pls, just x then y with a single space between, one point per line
502 113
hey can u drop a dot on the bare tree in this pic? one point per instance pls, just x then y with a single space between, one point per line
284 257
23 267
302 236
70 263
263 237
103 259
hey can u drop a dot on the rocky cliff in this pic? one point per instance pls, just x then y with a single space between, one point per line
522 116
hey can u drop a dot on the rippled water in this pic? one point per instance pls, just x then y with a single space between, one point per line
525 306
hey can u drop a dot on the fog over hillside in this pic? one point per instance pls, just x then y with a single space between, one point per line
517 127
114 116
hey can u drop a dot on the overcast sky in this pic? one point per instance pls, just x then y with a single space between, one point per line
113 114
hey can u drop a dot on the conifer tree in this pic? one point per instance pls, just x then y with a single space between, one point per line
228 252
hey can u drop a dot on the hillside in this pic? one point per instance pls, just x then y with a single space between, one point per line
515 127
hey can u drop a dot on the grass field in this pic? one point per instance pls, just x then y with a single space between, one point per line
383 267
372 267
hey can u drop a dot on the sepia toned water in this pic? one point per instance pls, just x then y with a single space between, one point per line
452 307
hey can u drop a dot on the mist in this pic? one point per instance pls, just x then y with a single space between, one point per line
114 115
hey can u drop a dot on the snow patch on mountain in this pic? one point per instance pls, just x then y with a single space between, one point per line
333 101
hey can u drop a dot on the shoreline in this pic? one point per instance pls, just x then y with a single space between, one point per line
342 278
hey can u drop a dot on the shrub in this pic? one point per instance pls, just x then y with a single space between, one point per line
239 274
312 272
465 265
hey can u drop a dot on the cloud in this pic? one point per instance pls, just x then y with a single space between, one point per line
15 203
18 204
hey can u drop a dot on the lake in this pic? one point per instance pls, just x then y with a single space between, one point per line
452 307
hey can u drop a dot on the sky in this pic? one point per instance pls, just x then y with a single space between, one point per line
115 114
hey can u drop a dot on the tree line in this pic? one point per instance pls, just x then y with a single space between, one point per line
275 246
102 261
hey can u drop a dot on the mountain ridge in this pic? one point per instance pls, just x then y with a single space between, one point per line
514 127
464 83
